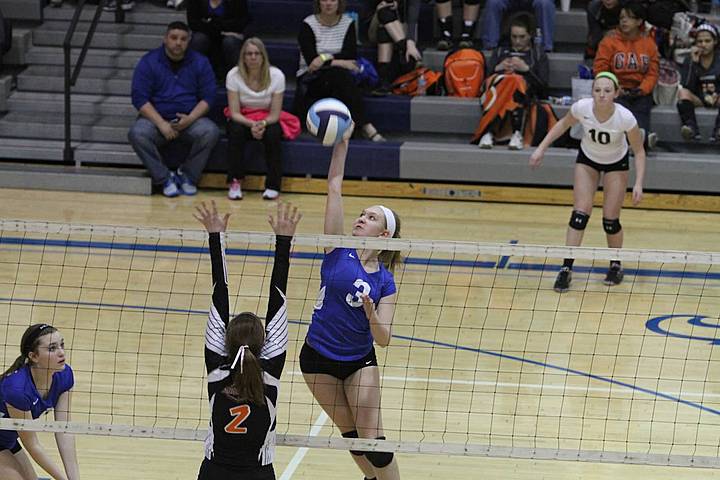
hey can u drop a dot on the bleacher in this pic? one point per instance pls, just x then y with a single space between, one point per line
428 135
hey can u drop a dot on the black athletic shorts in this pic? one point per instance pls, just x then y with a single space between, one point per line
621 165
212 471
311 361
14 449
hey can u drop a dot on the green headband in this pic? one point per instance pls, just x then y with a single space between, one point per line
609 75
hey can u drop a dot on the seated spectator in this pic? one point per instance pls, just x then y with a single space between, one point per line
517 74
602 17
632 55
328 53
700 80
217 31
255 96
471 10
496 10
393 38
173 89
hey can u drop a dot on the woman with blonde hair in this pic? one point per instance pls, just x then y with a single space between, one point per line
255 95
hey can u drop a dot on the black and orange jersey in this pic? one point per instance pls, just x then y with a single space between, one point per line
242 434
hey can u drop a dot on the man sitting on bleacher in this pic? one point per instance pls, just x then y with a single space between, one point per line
173 89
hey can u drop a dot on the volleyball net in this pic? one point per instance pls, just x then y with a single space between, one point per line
486 359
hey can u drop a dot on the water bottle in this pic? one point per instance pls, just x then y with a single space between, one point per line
538 41
421 85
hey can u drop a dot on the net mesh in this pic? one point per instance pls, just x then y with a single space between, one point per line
486 359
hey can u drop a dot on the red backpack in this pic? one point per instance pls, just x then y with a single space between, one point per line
464 73
408 84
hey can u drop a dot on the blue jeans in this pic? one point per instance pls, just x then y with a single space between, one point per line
145 139
495 11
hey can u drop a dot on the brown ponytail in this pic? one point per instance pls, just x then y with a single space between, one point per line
390 258
29 343
246 331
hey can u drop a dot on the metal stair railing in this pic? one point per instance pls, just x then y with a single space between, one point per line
72 74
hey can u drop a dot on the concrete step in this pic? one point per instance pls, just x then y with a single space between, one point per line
42 102
22 42
99 81
127 59
50 126
83 179
22 9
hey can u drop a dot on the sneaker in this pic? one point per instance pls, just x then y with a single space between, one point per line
186 186
382 90
176 4
652 140
715 137
170 188
127 6
111 6
444 44
614 275
516 141
235 192
562 282
689 134
486 142
270 194
466 43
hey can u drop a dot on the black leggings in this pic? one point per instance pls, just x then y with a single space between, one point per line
335 82
238 136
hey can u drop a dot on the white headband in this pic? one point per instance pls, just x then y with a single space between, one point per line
389 220
239 356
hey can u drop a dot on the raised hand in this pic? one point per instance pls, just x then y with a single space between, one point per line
210 217
288 216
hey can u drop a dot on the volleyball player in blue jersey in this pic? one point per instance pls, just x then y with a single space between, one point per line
244 361
355 307
38 380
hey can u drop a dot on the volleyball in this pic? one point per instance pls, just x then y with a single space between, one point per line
328 119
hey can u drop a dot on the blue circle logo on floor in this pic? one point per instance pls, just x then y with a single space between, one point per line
654 325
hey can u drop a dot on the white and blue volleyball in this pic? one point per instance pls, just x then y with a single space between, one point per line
328 119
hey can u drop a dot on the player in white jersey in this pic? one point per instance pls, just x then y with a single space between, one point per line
603 152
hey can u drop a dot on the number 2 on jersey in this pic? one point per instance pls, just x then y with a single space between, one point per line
239 414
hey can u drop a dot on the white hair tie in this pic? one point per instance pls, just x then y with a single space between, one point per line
389 220
239 356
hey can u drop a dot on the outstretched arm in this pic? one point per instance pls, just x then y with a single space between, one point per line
333 204
219 316
66 441
555 132
276 321
636 143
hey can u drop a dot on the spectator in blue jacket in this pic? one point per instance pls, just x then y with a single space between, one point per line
173 89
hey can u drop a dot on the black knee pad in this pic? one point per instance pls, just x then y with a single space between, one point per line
353 434
579 220
611 226
386 15
379 459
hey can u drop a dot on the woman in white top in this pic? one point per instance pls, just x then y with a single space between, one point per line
254 85
603 150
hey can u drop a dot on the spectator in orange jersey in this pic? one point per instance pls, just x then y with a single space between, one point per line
632 55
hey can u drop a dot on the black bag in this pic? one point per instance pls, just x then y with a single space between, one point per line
5 35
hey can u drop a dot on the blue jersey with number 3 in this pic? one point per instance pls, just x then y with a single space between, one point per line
339 329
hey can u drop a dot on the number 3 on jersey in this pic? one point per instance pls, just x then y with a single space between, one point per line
239 414
355 299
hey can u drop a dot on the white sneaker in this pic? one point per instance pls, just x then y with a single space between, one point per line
516 141
174 4
270 194
486 141
235 192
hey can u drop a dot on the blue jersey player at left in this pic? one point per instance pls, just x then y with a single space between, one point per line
39 380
